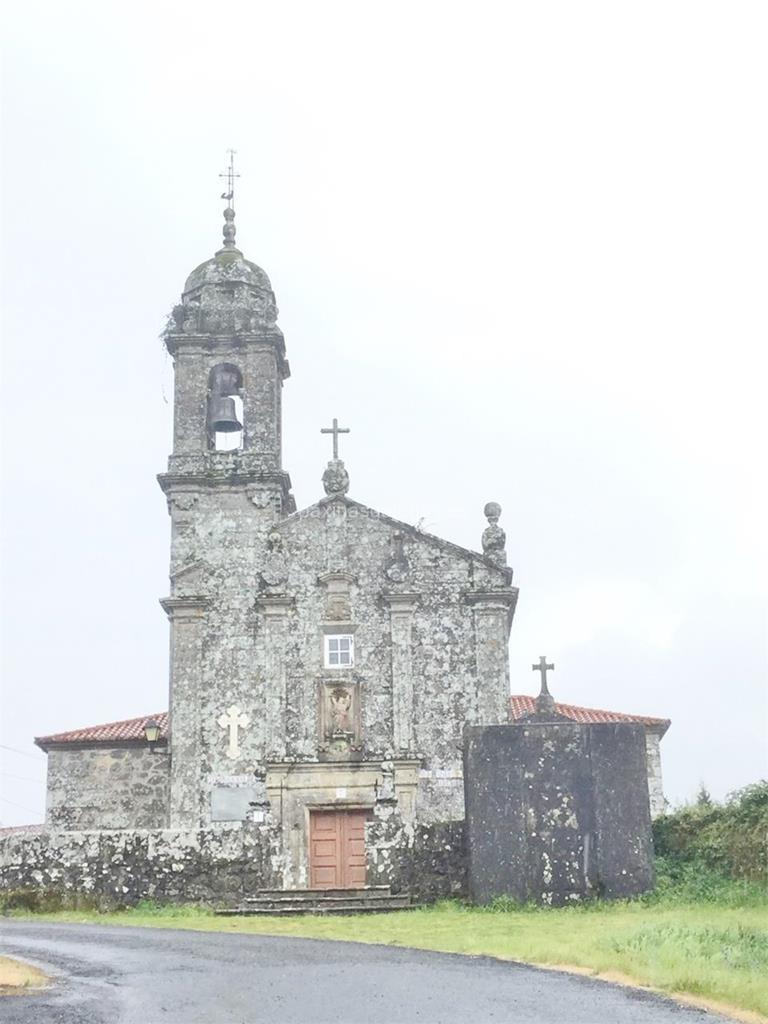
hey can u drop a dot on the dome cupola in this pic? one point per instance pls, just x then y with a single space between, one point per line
227 294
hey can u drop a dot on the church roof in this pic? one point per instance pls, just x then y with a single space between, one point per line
109 733
522 704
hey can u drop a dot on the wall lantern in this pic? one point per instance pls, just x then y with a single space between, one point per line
151 732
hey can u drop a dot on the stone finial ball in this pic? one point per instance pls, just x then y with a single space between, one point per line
492 510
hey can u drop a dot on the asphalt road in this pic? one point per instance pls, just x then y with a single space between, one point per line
144 976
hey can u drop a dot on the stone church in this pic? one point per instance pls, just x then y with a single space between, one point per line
324 662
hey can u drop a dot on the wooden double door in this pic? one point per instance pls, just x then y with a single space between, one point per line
337 849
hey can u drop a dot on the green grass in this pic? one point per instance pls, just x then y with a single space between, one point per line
697 935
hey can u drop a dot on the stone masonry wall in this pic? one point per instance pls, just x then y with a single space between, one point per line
107 787
217 865
427 860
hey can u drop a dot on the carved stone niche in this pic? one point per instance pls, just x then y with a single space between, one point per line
340 738
338 601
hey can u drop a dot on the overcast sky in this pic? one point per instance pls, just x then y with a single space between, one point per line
518 248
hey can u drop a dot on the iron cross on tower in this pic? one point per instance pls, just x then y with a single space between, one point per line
335 430
230 175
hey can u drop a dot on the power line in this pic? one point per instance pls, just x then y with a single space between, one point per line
22 778
24 753
18 806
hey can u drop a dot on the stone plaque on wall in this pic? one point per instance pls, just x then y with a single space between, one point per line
231 803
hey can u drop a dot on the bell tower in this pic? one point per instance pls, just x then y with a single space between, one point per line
225 487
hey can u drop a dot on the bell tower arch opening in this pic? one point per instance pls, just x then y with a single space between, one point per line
225 412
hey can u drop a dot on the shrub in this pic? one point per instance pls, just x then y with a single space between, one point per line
729 837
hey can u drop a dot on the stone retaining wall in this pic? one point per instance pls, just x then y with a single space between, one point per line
429 861
131 865
217 865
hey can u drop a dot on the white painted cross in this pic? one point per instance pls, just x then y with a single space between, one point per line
233 719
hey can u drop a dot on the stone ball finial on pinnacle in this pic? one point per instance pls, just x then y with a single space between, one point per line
494 538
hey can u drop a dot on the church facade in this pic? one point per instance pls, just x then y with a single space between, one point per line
324 662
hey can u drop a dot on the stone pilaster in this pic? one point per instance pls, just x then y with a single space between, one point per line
275 612
401 608
335 512
187 618
492 614
653 760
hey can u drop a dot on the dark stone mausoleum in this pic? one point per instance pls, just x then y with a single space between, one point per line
557 811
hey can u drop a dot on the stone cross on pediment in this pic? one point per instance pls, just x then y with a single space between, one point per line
335 430
233 719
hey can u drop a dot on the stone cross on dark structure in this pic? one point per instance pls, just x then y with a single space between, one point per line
544 702
543 667
335 430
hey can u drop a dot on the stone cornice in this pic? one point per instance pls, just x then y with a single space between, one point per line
99 744
338 574
203 478
489 601
330 626
275 604
401 602
502 598
178 608
322 767
178 341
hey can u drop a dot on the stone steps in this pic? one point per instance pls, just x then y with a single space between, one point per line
321 901
367 893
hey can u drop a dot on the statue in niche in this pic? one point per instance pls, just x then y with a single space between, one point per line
397 568
340 706
274 572
339 722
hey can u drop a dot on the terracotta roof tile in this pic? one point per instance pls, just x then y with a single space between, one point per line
128 729
133 728
522 704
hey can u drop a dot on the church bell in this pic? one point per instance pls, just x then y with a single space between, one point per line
222 416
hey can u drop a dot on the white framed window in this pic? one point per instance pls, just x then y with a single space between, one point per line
339 650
